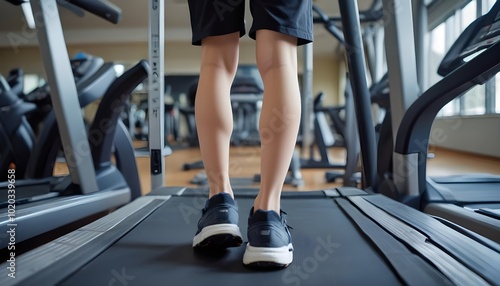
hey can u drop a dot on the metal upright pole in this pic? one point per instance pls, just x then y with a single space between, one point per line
64 95
380 64
420 31
403 80
401 58
362 102
307 99
156 101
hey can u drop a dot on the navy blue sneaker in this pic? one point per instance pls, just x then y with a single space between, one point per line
218 226
269 240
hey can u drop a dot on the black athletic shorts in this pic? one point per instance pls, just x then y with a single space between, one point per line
221 17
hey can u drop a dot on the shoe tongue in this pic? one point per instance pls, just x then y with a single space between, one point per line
221 198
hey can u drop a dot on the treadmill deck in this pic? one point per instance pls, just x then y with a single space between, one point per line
340 237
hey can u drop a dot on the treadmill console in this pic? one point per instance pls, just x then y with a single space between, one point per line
483 33
16 2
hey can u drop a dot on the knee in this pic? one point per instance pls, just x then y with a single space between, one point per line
265 63
220 54
278 55
220 64
269 64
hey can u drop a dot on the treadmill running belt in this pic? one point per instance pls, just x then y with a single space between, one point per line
328 250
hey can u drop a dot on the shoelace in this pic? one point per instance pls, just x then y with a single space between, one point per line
283 215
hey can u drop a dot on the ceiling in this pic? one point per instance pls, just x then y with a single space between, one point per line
134 24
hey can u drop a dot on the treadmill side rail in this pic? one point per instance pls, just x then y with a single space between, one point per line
54 213
42 259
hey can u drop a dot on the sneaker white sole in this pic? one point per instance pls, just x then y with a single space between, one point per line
216 229
268 255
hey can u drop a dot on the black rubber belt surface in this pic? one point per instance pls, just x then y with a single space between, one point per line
411 268
329 250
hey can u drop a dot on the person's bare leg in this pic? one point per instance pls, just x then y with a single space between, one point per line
214 118
280 116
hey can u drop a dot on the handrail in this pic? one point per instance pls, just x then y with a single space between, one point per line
103 9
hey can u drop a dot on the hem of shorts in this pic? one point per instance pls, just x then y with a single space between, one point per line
196 41
303 37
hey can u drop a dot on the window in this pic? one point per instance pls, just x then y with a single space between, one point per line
437 52
468 15
490 4
481 99
474 101
119 69
32 81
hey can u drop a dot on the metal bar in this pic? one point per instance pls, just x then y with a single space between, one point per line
364 17
362 101
421 42
380 63
64 94
490 88
103 9
369 42
156 101
401 63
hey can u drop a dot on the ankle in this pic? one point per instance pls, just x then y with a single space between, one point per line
215 192
267 204
265 208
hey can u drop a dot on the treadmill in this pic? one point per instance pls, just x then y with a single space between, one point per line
26 147
342 236
95 185
471 200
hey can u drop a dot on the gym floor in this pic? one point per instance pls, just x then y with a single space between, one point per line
245 162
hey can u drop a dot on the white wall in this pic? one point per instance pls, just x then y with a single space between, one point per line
479 135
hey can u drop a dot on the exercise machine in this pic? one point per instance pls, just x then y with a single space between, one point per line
246 102
85 67
16 81
16 136
472 201
34 156
246 96
346 127
342 236
94 185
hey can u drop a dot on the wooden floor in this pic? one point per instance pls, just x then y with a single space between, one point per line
244 162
